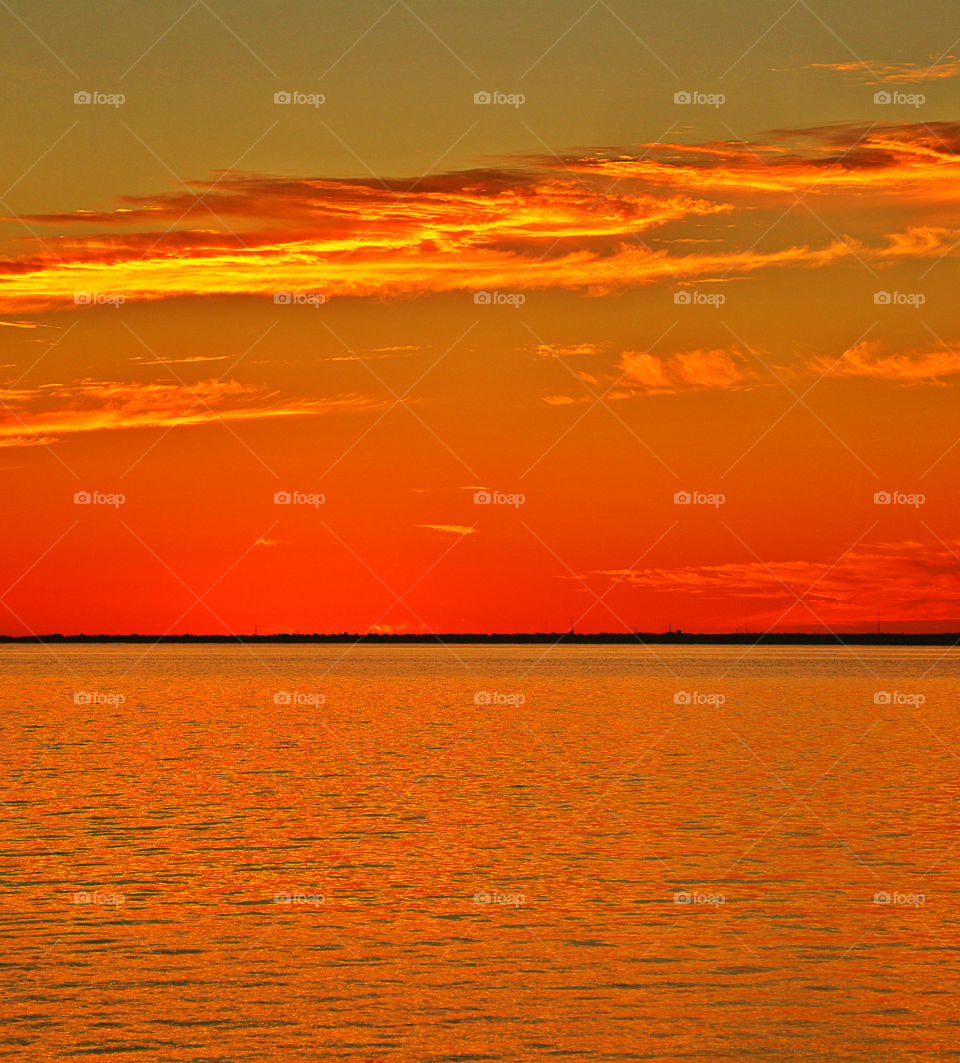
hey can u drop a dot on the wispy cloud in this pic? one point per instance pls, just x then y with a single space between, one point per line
595 222
45 414
570 350
694 370
913 580
728 369
449 529
867 359
889 73
181 361
645 373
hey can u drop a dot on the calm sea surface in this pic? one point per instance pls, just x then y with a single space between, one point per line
493 853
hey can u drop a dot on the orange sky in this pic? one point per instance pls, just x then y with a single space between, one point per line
749 303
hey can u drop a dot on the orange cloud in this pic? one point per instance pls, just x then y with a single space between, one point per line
896 72
449 529
909 367
587 224
920 160
915 581
570 350
41 415
694 370
644 373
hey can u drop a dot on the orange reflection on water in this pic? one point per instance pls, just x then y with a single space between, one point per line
402 853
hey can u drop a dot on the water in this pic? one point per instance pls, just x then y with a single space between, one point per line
384 869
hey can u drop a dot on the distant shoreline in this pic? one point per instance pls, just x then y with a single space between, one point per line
669 638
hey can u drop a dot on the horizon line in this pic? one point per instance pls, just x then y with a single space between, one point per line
677 637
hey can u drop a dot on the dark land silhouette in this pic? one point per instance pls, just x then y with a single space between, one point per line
678 638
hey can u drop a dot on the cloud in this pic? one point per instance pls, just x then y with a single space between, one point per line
945 67
919 160
726 369
450 529
694 370
596 223
644 373
913 580
570 350
181 361
34 416
909 367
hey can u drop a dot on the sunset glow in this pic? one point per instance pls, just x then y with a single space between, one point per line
757 309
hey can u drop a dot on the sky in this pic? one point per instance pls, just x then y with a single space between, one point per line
424 316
